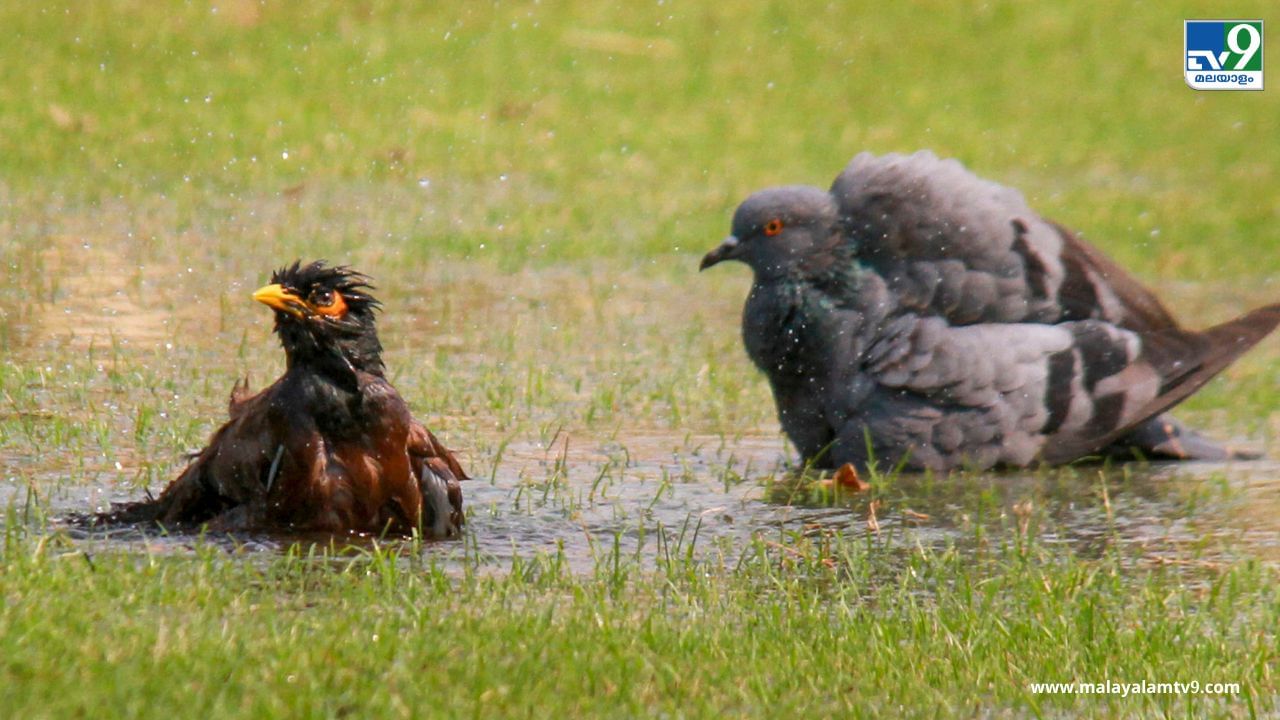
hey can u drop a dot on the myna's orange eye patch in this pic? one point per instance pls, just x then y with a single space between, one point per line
328 302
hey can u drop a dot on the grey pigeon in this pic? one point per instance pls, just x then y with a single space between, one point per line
916 313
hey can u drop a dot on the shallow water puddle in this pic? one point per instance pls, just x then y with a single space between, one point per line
1164 513
665 438
661 494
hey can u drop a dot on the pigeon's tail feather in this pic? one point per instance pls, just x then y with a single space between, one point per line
1245 331
1222 345
1185 361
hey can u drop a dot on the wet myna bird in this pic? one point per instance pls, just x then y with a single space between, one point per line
916 313
330 446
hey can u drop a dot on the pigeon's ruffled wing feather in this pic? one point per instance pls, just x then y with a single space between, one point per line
970 250
1184 361
1012 394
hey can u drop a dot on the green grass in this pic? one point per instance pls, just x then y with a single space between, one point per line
531 185
830 628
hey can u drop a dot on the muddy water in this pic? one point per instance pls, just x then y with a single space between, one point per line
1165 512
661 494
673 465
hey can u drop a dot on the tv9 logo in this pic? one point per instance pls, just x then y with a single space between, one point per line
1223 54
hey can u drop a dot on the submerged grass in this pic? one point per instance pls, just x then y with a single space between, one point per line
531 185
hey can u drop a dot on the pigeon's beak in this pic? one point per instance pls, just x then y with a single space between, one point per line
725 251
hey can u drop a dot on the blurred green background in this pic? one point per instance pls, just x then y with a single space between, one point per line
576 129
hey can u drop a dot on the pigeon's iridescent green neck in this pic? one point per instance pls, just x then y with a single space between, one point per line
834 270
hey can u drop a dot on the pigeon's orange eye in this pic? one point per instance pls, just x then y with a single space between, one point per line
773 227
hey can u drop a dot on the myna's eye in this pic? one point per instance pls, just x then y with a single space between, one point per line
773 227
327 302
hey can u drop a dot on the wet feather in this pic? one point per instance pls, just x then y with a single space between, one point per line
938 315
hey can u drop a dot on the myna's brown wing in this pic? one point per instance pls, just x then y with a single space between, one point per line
232 470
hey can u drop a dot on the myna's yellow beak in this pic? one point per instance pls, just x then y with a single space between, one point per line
276 297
